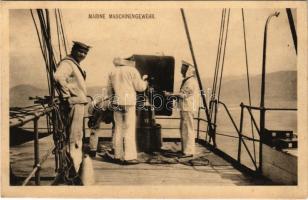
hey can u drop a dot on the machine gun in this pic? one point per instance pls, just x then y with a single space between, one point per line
150 103
160 70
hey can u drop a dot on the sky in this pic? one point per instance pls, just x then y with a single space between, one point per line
163 35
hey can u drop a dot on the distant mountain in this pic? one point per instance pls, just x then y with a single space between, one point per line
19 95
280 86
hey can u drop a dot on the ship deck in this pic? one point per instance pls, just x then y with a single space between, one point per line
215 172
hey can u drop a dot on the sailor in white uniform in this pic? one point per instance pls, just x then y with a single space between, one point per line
123 83
71 78
188 99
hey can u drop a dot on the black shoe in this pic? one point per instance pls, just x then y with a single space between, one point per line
118 161
111 151
92 154
77 181
130 162
110 158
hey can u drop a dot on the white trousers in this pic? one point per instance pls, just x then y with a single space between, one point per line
187 132
125 134
76 133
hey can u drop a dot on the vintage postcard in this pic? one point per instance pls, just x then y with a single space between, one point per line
154 99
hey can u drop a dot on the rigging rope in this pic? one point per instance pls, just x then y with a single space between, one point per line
47 44
63 33
213 106
220 66
223 57
222 25
248 81
41 47
58 33
51 66
59 118
51 55
222 40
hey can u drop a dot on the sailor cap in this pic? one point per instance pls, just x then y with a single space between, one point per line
80 45
120 61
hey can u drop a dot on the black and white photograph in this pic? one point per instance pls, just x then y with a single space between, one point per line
181 95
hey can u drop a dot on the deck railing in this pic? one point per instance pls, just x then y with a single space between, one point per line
242 138
35 116
261 141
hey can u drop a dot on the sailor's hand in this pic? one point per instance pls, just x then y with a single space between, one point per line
145 77
70 101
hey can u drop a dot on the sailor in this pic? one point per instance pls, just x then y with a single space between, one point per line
71 79
123 83
188 99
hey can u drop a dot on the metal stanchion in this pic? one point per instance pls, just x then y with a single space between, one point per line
36 152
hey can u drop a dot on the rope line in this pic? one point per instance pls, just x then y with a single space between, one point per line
222 23
248 81
58 34
223 57
63 33
41 47
58 118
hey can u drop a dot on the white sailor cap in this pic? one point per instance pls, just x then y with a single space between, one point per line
122 61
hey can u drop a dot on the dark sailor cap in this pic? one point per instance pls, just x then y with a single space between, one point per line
80 45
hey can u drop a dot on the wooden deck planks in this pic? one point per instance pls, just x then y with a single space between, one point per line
174 176
219 172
